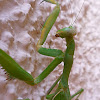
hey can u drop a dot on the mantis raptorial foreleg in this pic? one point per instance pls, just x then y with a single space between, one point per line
50 52
62 92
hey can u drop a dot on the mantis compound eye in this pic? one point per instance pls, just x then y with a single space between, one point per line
57 35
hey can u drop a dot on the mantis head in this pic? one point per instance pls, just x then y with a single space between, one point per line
66 32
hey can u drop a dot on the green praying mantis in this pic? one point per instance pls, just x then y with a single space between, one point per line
15 71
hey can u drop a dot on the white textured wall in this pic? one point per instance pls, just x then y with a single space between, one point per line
20 24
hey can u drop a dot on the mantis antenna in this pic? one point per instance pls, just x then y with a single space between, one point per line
41 1
78 13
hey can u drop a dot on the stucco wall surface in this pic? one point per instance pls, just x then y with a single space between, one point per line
20 29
